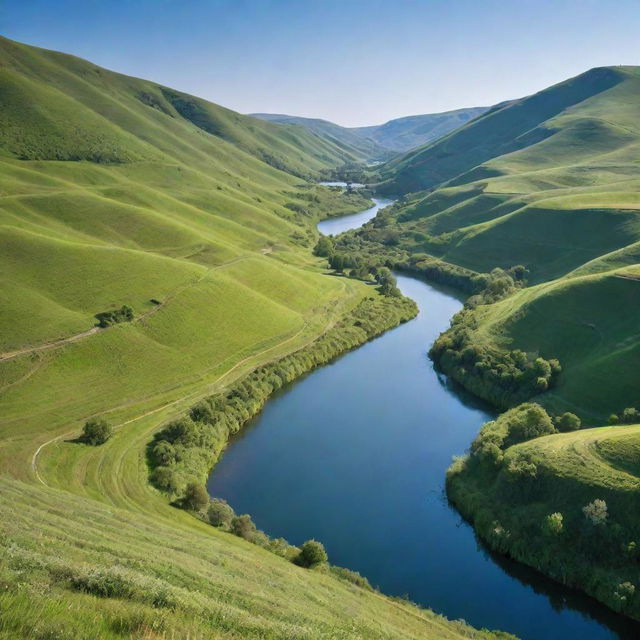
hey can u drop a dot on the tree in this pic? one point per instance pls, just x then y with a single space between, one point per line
528 421
220 513
630 415
596 512
553 524
243 526
324 247
164 453
164 478
96 431
195 497
311 554
568 422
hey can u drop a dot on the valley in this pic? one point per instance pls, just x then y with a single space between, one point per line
310 321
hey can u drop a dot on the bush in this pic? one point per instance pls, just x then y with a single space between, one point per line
164 478
568 422
243 527
553 524
351 576
195 497
596 512
220 514
311 554
96 432
108 318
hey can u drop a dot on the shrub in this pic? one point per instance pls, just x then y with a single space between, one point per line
596 512
164 478
351 576
220 513
553 524
243 527
164 453
568 422
96 432
528 421
108 318
195 497
311 554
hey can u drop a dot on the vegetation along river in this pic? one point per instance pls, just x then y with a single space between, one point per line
354 455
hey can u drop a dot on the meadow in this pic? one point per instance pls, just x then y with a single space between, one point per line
115 193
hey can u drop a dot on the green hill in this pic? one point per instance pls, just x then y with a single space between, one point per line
193 225
563 504
549 182
362 147
403 134
567 118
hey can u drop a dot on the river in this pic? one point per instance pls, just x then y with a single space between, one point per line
354 455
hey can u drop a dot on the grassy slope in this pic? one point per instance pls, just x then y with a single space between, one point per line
572 470
551 182
403 134
360 146
590 324
167 197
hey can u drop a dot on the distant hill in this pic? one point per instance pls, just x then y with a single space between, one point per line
350 140
380 142
403 134
556 113
550 181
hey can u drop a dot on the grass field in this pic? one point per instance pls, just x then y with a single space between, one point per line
117 191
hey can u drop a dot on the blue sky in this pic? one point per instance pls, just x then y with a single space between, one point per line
355 62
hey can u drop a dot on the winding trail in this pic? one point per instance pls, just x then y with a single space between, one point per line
194 397
89 332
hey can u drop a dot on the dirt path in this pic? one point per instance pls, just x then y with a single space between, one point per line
89 332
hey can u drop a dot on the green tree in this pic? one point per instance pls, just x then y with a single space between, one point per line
164 453
311 554
568 422
553 524
243 527
324 247
164 478
96 431
195 497
220 513
596 512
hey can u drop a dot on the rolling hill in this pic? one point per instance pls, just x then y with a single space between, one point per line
118 193
380 142
404 134
549 182
360 146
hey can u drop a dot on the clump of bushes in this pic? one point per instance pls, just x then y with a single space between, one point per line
185 450
96 431
109 318
311 554
502 377
630 415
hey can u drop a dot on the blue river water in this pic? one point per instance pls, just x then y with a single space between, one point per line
354 455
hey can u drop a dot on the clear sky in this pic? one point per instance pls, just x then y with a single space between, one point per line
355 62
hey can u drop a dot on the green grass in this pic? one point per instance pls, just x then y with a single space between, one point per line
571 471
116 191
590 324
